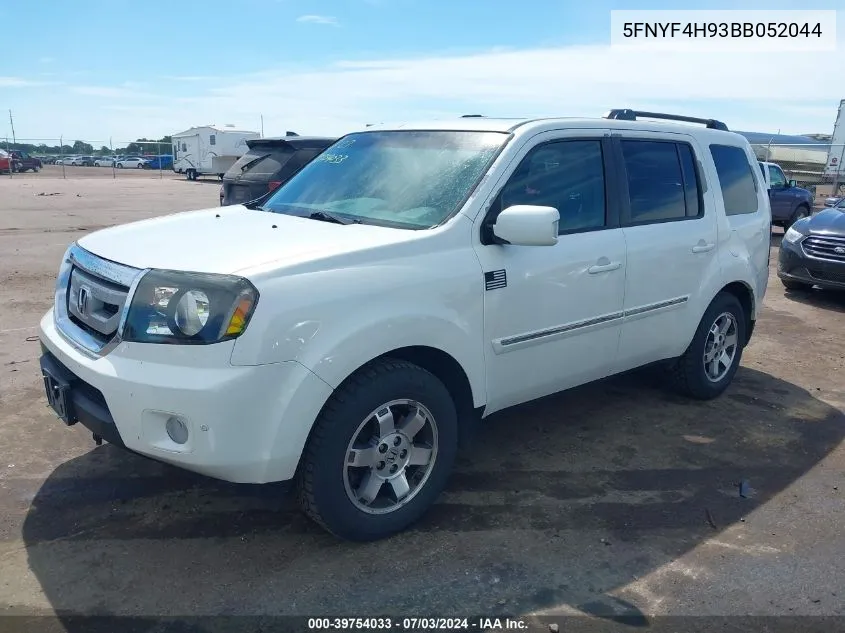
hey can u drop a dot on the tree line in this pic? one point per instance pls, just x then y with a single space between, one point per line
81 148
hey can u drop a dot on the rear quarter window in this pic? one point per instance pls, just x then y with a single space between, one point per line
736 179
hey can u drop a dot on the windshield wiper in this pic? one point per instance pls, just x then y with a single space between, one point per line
257 159
326 216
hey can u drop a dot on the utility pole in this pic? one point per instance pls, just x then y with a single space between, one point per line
12 122
262 126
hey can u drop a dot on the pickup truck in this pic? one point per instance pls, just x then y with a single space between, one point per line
789 202
24 162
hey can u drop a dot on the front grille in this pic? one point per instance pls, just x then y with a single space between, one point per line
95 301
824 275
90 296
825 247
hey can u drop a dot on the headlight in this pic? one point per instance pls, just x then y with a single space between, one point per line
189 308
792 236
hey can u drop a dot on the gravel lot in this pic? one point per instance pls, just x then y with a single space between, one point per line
615 498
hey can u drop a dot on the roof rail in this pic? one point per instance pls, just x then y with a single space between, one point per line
472 116
625 114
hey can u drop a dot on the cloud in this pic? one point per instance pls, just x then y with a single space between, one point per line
19 82
318 19
338 97
563 81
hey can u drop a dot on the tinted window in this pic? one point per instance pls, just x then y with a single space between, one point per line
260 162
655 181
736 179
776 176
212 139
692 188
566 175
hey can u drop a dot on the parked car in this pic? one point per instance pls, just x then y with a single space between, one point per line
789 202
82 161
135 162
268 163
6 162
165 161
405 284
833 201
25 162
104 161
812 252
67 160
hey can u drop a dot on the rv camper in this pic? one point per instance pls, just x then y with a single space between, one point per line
209 150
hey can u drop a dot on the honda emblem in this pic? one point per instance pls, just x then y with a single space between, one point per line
82 300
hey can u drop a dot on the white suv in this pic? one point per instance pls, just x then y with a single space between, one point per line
352 330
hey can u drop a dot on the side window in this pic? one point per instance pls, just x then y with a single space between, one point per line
662 181
212 139
776 176
736 179
184 147
566 175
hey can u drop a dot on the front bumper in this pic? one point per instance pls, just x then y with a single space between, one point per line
795 265
245 424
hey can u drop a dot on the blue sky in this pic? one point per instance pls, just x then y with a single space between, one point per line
95 69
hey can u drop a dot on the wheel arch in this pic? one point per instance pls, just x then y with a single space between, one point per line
745 295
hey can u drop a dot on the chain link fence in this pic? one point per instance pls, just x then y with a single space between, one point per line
817 167
74 158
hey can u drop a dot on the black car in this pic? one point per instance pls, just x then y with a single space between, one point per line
812 252
268 163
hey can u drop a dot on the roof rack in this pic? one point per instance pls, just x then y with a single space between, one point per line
625 114
472 116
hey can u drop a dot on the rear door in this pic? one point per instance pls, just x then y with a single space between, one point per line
671 234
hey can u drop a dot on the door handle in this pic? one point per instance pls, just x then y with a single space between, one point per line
603 268
703 247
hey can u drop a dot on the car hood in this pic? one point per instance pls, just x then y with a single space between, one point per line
828 222
232 239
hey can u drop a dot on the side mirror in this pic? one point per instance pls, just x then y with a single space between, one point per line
527 225
792 183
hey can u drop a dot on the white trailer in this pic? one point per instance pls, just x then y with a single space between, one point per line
836 154
209 149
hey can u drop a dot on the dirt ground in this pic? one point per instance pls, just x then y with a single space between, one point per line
618 498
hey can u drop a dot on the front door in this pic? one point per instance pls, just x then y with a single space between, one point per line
671 234
780 196
552 314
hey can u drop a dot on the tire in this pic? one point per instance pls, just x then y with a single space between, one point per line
789 284
328 485
801 212
688 374
119 165
191 174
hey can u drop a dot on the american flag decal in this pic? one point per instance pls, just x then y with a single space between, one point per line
495 279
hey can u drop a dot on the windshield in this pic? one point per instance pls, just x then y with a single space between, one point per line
413 179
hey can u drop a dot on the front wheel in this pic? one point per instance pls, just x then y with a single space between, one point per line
120 165
707 367
380 452
801 212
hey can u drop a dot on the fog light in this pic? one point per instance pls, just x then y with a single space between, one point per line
177 430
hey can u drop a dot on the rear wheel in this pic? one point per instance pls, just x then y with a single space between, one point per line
191 174
380 452
712 358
